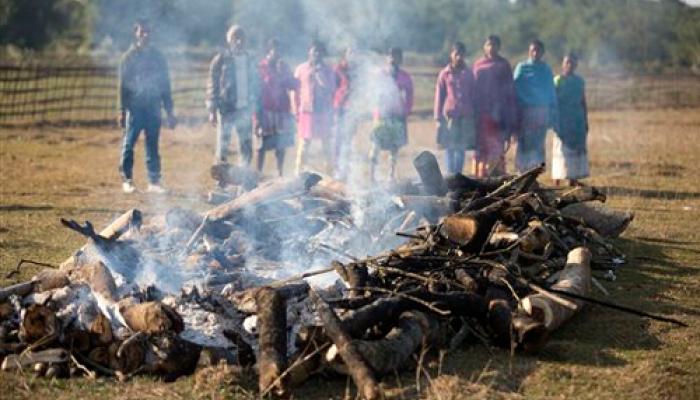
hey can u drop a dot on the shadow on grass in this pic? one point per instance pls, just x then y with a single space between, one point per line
648 193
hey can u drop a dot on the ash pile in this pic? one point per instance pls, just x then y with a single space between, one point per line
301 276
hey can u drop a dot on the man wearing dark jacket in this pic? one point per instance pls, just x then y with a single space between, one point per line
233 97
144 86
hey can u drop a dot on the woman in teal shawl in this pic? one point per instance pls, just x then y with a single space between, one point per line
569 153
537 103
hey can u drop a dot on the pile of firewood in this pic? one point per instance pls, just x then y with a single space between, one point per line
426 263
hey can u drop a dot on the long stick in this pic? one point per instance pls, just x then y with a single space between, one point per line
619 307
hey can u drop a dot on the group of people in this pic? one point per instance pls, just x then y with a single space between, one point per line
271 108
483 107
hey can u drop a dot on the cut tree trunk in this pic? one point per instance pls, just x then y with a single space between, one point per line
604 220
363 376
415 328
574 278
272 328
430 175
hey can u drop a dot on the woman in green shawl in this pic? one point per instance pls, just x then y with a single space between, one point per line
570 156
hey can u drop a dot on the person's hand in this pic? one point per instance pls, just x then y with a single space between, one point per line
212 119
257 129
121 119
439 123
171 121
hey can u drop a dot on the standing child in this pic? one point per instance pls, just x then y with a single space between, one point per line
454 109
537 107
314 105
275 130
394 104
570 156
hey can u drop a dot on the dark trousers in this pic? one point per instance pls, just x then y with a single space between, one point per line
137 121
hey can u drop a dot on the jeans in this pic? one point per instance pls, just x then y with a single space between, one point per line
454 160
242 121
137 121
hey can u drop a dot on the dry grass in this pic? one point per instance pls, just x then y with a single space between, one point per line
646 160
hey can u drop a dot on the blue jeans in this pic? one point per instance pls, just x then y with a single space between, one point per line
137 121
243 122
454 160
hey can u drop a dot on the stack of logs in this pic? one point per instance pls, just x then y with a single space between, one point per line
501 260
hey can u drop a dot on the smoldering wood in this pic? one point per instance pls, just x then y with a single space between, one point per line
272 333
152 318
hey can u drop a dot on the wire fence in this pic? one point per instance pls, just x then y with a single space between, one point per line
84 91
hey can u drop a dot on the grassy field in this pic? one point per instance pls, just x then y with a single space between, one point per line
646 160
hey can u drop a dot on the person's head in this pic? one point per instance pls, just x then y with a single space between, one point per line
569 64
492 46
273 53
536 50
235 37
459 51
142 33
395 57
317 50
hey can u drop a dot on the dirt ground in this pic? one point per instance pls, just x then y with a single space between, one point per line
647 161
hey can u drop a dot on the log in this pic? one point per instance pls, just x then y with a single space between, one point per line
430 175
126 221
386 309
358 369
29 358
38 322
578 194
535 238
98 277
272 328
354 274
152 318
604 220
415 328
49 279
273 190
574 278
20 289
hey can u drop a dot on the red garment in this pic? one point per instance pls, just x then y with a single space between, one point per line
489 141
454 93
342 79
396 94
316 88
494 91
276 83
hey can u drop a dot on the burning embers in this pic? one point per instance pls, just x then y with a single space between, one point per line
501 259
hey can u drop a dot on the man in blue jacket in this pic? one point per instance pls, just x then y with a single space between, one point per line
144 87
